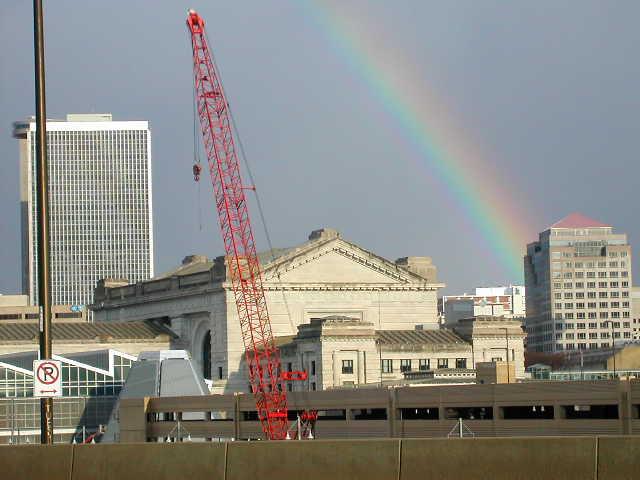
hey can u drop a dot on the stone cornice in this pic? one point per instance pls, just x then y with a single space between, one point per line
347 249
405 287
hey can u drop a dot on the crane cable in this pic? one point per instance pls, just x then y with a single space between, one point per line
196 151
245 160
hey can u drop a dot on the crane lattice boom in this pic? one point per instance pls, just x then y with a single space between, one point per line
262 356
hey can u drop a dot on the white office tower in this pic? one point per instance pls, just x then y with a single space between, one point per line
100 204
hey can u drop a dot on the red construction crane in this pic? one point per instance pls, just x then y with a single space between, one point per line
262 355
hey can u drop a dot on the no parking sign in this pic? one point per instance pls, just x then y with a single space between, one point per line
47 378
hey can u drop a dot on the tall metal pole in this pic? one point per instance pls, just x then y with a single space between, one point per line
506 336
42 216
613 346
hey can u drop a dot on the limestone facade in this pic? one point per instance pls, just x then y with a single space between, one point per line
339 351
325 276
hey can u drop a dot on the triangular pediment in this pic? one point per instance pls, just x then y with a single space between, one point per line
336 261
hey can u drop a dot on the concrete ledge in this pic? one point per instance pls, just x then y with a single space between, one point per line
499 458
314 460
34 461
618 458
531 458
157 461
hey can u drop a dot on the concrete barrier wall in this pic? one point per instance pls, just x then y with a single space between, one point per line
584 458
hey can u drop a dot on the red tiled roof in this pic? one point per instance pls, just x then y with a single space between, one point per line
577 220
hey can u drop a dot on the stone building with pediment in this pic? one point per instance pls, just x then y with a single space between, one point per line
325 276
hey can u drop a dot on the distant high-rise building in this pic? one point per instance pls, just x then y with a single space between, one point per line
505 301
635 312
578 280
100 204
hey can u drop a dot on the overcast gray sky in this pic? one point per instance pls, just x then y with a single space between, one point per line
547 91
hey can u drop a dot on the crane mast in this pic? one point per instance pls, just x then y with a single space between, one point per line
261 354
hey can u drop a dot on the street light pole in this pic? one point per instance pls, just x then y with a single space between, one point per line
613 346
506 336
42 216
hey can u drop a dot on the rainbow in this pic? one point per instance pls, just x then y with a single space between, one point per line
483 197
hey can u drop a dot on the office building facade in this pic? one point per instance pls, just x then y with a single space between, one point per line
508 302
100 201
578 282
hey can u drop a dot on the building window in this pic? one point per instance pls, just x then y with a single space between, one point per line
405 365
313 368
313 386
290 366
423 364
443 363
347 366
387 365
461 363
219 373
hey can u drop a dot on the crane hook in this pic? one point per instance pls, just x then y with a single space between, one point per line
196 172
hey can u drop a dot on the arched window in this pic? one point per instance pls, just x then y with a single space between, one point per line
206 356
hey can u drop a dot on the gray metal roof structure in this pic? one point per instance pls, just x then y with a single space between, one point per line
418 337
166 373
65 331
